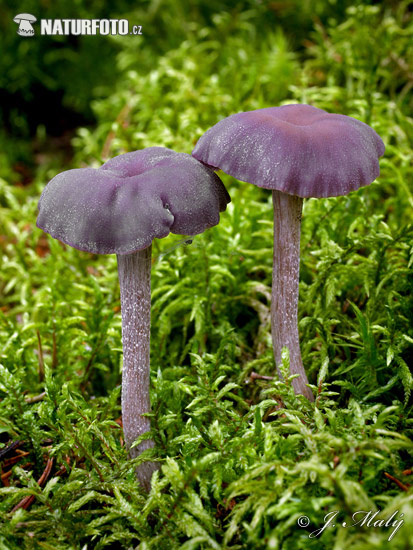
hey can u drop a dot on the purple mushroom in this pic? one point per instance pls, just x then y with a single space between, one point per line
297 151
119 209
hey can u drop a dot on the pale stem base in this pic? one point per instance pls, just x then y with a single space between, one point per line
285 277
135 295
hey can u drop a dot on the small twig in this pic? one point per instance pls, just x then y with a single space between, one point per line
402 486
61 471
256 376
5 478
408 472
35 398
11 461
27 501
9 448
22 453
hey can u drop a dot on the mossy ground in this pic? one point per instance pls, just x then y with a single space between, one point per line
242 458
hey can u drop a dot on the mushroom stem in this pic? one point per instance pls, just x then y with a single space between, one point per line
285 277
135 294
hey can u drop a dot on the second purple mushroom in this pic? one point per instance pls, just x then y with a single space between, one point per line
297 151
119 209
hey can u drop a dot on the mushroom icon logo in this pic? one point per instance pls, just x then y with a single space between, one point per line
25 21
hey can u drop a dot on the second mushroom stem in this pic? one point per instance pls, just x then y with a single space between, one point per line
135 294
285 278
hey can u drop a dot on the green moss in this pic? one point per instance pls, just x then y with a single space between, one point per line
242 458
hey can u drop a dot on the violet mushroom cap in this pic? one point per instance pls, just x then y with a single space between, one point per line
296 151
130 200
120 208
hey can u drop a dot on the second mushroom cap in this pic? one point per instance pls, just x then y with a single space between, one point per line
297 149
133 198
